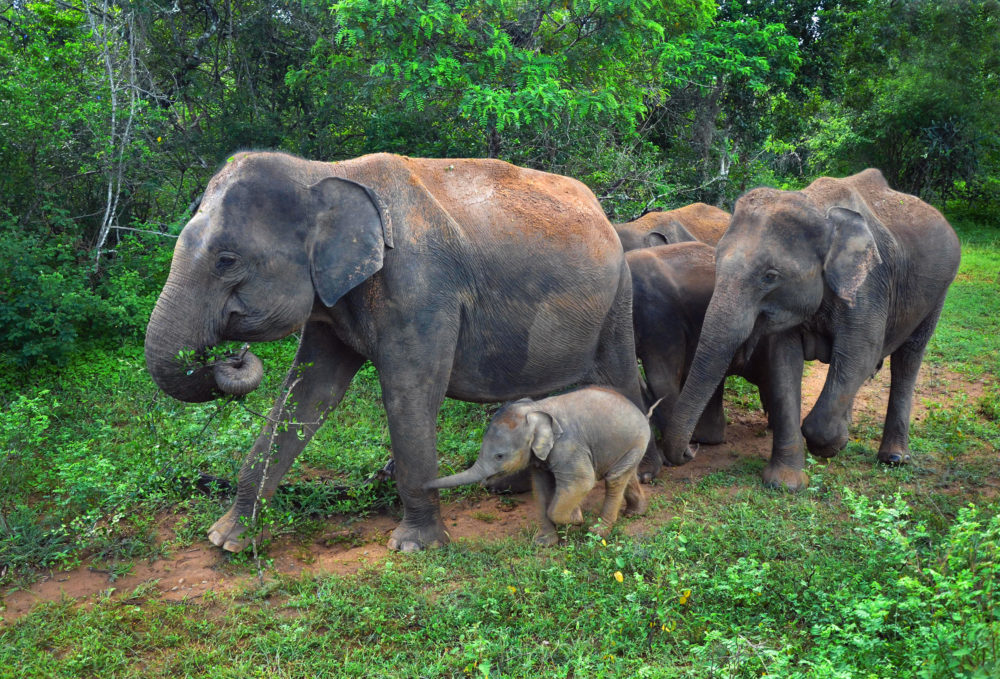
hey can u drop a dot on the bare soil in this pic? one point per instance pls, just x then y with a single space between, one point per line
348 544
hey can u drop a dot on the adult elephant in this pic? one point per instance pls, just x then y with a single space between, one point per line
846 271
468 278
672 286
695 222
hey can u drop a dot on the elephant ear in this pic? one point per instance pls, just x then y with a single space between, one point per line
852 254
674 232
350 238
545 430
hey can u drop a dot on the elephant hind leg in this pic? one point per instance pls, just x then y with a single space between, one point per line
622 483
636 502
614 494
904 367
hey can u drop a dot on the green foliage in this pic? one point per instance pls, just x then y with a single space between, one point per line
52 306
965 335
919 100
759 585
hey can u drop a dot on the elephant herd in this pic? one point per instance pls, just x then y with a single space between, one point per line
486 282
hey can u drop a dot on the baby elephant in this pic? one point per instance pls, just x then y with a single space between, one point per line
570 441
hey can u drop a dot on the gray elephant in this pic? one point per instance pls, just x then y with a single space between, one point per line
671 288
468 278
847 272
570 442
695 222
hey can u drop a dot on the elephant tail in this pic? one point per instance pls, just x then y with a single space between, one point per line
649 413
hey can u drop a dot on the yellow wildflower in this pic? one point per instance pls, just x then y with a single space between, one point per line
685 595
513 590
619 577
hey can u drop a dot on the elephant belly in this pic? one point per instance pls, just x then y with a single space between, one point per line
551 346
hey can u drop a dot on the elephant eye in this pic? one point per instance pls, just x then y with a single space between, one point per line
499 456
225 261
770 276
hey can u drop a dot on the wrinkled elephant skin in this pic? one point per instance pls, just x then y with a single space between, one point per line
695 222
570 442
671 288
847 272
474 279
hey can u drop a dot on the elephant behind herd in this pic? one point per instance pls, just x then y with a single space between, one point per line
487 282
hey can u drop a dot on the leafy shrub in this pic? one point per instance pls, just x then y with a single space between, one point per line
52 306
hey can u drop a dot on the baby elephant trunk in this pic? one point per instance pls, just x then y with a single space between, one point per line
474 474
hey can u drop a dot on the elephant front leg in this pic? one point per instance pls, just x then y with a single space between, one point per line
787 464
853 360
412 401
543 488
319 377
711 427
570 490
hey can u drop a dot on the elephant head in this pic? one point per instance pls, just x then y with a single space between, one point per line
267 242
781 259
638 234
517 431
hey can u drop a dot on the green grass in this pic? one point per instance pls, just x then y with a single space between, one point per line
966 338
871 572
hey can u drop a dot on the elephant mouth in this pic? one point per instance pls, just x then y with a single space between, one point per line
235 372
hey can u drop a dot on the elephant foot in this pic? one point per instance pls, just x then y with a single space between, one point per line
601 529
228 531
893 457
711 432
547 539
415 538
710 438
782 476
648 471
825 442
636 507
828 451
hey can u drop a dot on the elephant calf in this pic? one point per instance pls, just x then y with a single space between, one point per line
570 441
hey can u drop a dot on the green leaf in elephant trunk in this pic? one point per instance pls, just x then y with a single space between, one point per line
240 374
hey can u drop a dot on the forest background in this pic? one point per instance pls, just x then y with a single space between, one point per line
113 115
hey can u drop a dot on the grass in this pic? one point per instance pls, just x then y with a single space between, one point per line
872 571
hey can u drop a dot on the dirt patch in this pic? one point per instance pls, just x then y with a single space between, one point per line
347 544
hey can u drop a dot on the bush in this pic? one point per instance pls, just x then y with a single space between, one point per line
52 304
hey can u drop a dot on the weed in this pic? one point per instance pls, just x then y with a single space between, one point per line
873 571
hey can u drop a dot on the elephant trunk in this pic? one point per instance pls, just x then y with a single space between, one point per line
473 474
239 375
175 349
729 322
